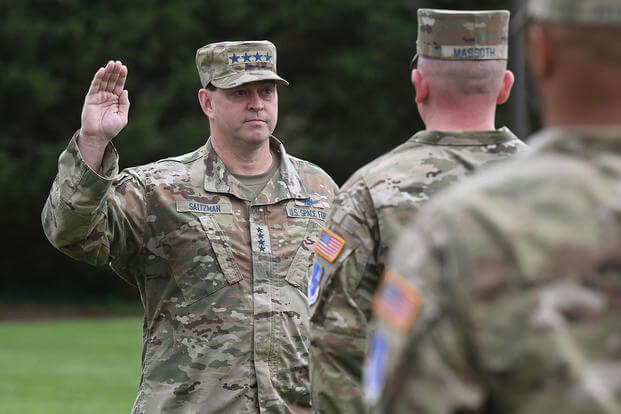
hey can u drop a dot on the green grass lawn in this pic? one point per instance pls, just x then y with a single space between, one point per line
77 366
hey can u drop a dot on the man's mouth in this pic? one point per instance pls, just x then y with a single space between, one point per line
253 120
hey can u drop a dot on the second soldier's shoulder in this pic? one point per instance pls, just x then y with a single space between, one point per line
543 182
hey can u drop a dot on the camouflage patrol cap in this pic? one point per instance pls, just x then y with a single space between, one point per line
578 12
463 34
230 64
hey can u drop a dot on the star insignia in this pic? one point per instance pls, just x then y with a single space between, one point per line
268 57
234 58
257 57
246 57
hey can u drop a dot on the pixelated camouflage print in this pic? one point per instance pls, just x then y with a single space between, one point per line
520 270
458 35
222 277
368 213
231 64
581 12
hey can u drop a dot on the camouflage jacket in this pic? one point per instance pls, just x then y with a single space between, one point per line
222 277
367 215
514 284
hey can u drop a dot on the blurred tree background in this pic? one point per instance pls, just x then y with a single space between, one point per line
350 98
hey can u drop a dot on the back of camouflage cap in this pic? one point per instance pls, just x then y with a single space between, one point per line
463 34
576 12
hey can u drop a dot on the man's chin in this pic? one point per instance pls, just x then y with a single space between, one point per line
257 138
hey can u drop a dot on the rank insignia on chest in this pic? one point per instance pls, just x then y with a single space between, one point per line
397 302
313 284
260 238
329 245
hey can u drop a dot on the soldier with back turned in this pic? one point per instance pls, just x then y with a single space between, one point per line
505 294
460 78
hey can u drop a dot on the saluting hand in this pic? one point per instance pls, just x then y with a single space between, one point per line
106 105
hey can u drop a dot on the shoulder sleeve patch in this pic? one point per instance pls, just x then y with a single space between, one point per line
313 284
329 245
398 303
374 368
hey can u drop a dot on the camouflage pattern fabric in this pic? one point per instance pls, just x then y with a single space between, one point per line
222 277
368 213
519 273
463 34
583 12
231 64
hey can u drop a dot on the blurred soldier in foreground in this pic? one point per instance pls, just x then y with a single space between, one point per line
505 297
461 77
217 241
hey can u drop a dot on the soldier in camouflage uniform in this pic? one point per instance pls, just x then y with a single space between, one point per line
514 280
460 78
217 241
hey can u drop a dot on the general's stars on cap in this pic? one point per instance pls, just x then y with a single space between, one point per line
258 57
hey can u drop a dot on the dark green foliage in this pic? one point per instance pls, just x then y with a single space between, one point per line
350 98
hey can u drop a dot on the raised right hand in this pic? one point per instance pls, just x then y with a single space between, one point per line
106 105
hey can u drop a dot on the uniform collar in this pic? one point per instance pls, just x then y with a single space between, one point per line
580 140
469 138
285 184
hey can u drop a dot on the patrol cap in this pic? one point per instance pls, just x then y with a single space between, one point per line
576 12
463 34
230 64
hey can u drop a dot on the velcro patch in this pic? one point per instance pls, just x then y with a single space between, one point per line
309 202
313 285
329 245
306 212
374 369
398 303
196 207
260 238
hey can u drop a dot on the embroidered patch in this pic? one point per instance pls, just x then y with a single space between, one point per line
374 369
306 212
196 207
260 56
309 202
260 238
397 302
313 285
329 245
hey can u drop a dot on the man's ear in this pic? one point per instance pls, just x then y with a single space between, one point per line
540 52
421 86
505 89
204 98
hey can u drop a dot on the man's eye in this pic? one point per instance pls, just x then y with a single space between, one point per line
268 91
241 92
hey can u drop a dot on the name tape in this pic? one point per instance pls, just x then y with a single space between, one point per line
473 52
196 207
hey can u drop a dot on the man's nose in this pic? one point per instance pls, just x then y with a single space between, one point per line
255 103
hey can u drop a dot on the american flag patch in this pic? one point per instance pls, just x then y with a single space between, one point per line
329 245
397 302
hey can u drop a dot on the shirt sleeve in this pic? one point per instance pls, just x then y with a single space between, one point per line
93 218
345 284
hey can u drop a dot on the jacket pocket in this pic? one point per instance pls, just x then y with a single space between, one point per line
196 260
